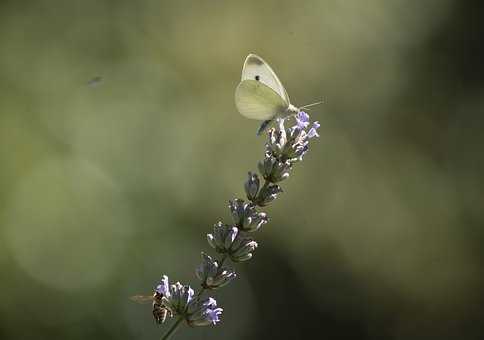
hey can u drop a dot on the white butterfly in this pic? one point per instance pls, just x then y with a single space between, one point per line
261 95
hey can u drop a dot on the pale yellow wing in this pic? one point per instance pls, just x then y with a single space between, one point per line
256 68
255 100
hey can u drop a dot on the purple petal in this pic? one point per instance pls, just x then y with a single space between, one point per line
210 303
312 132
232 235
302 120
213 315
190 294
163 288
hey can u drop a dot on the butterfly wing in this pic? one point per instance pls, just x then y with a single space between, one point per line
142 298
256 100
255 68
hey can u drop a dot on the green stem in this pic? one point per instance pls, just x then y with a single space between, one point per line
172 329
266 184
200 293
264 187
222 260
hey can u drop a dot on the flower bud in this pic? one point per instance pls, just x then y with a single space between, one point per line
280 171
277 138
265 166
203 312
222 238
212 275
177 298
297 146
246 216
242 249
252 186
269 194
273 170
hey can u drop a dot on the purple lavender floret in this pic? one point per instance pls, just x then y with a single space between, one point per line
214 315
302 120
312 132
211 312
302 123
163 288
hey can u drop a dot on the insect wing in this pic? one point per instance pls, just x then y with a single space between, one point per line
255 100
255 68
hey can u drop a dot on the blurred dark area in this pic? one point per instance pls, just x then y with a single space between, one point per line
120 146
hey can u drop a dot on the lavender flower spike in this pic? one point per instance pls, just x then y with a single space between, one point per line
284 148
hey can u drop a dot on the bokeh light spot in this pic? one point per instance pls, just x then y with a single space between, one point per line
67 224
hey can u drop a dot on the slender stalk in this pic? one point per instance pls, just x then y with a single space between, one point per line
261 192
172 329
222 260
200 293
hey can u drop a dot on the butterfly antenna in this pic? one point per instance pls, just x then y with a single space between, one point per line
309 105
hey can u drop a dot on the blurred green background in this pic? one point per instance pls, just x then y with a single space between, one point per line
107 186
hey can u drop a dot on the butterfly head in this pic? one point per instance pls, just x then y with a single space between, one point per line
291 110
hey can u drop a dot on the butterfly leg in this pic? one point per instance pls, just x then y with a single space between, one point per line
263 126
